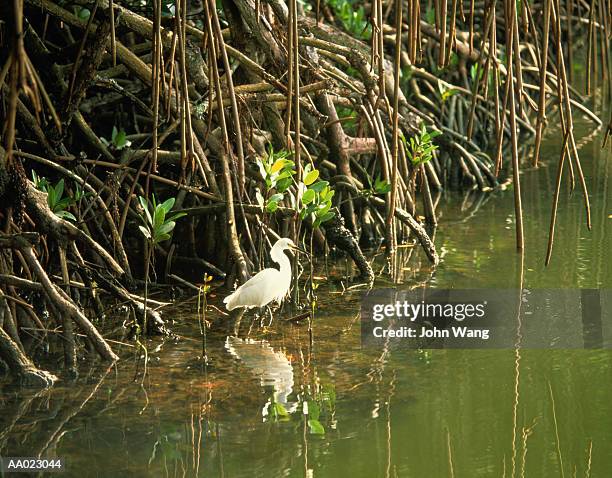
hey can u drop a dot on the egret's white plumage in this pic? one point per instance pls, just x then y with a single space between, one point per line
267 285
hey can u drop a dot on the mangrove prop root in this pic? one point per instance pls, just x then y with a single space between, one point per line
23 370
338 235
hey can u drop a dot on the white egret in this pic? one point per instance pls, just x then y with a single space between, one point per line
267 285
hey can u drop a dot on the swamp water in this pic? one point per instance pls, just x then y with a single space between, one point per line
436 413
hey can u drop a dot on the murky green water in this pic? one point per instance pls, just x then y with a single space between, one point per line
440 413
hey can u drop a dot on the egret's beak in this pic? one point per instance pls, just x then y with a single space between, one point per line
301 251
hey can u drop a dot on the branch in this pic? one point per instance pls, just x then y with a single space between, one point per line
65 306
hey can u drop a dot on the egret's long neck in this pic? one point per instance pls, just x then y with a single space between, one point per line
279 256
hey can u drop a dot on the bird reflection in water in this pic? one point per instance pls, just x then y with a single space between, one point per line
272 367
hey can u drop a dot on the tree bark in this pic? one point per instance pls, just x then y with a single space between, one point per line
23 370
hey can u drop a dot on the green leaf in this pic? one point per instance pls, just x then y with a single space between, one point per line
78 193
276 197
40 182
308 196
283 184
382 186
289 165
168 204
61 205
260 199
262 169
327 195
319 186
311 177
84 13
51 197
176 216
323 208
120 140
145 208
309 210
271 206
279 411
315 427
145 232
162 238
327 216
313 410
66 215
59 189
159 216
165 228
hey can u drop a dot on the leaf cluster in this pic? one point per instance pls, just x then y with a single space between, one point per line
277 171
57 202
354 18
157 225
118 140
323 403
316 198
419 149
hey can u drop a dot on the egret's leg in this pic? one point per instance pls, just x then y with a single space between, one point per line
271 316
234 321
251 325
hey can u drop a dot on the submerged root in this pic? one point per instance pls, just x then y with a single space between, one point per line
23 370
